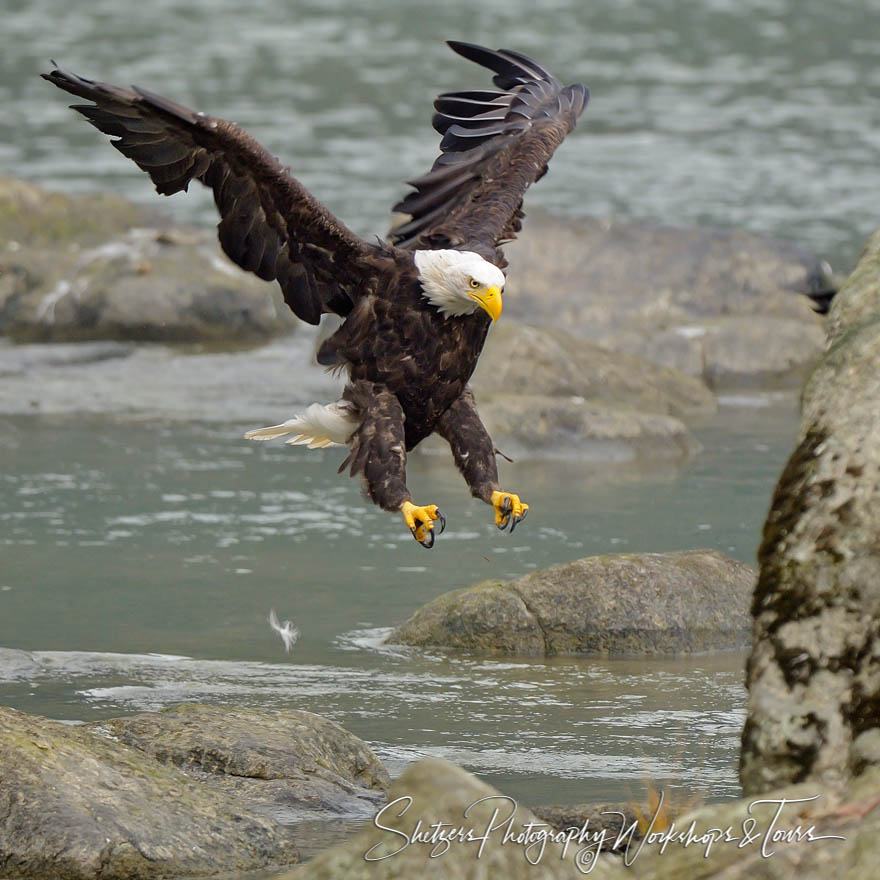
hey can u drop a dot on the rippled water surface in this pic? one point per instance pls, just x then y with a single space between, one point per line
147 555
757 114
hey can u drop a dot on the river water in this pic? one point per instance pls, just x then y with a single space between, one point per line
754 114
143 542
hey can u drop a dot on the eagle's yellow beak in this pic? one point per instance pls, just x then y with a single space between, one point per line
490 301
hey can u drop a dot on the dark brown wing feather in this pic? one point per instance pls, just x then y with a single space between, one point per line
270 225
495 145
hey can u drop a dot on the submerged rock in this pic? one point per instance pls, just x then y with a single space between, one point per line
669 294
434 791
633 603
814 672
76 805
283 762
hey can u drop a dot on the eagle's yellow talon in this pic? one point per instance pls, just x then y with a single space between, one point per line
508 510
420 521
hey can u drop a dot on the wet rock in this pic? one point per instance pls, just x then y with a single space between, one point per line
15 664
814 672
75 805
283 763
435 791
667 293
639 603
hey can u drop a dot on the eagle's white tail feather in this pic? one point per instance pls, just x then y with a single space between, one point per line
318 427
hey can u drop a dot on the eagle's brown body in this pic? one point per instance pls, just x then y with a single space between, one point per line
408 364
420 356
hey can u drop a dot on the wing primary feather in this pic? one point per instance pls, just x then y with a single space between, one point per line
269 224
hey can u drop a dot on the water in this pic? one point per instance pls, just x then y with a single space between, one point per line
140 558
756 114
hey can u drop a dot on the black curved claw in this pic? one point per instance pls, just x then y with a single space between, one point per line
518 519
442 522
505 514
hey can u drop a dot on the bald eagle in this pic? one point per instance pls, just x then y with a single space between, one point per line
416 309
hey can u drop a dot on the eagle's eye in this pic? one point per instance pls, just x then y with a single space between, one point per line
474 283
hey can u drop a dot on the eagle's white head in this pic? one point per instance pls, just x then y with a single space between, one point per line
460 282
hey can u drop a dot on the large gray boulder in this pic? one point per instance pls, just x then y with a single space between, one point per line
77 805
724 305
814 672
75 268
633 603
434 791
284 763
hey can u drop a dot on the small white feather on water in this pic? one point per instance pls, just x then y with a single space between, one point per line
288 632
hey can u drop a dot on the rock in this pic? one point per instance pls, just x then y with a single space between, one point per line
525 425
648 603
434 791
814 672
96 267
141 285
669 294
730 352
835 835
282 763
75 805
31 216
520 359
15 664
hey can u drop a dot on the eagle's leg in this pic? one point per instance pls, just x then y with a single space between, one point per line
474 454
378 451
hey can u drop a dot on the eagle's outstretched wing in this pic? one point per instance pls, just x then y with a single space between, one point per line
270 225
495 145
